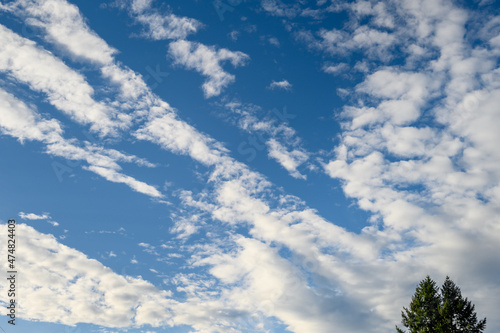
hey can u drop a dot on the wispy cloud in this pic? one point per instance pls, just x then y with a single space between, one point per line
278 8
185 227
273 132
290 160
21 122
335 69
33 216
284 84
274 41
116 177
207 61
162 26
376 43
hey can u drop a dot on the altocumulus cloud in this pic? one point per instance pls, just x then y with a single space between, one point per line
431 185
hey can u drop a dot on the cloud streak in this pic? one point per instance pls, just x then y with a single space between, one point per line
66 89
273 132
23 123
65 26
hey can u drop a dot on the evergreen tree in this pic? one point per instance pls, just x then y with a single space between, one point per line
444 311
457 313
423 314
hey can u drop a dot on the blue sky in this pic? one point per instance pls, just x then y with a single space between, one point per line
247 166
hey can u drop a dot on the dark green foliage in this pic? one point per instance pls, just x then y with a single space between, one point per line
458 313
423 314
440 311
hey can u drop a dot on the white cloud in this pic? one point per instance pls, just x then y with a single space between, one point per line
138 6
131 85
207 61
281 140
284 295
171 133
134 90
335 69
33 216
381 16
88 292
169 26
185 227
115 177
148 248
233 35
284 84
303 233
278 8
162 26
65 26
376 43
137 96
19 121
289 160
375 39
84 289
402 96
66 89
274 41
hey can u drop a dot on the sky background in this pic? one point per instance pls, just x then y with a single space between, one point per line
247 166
